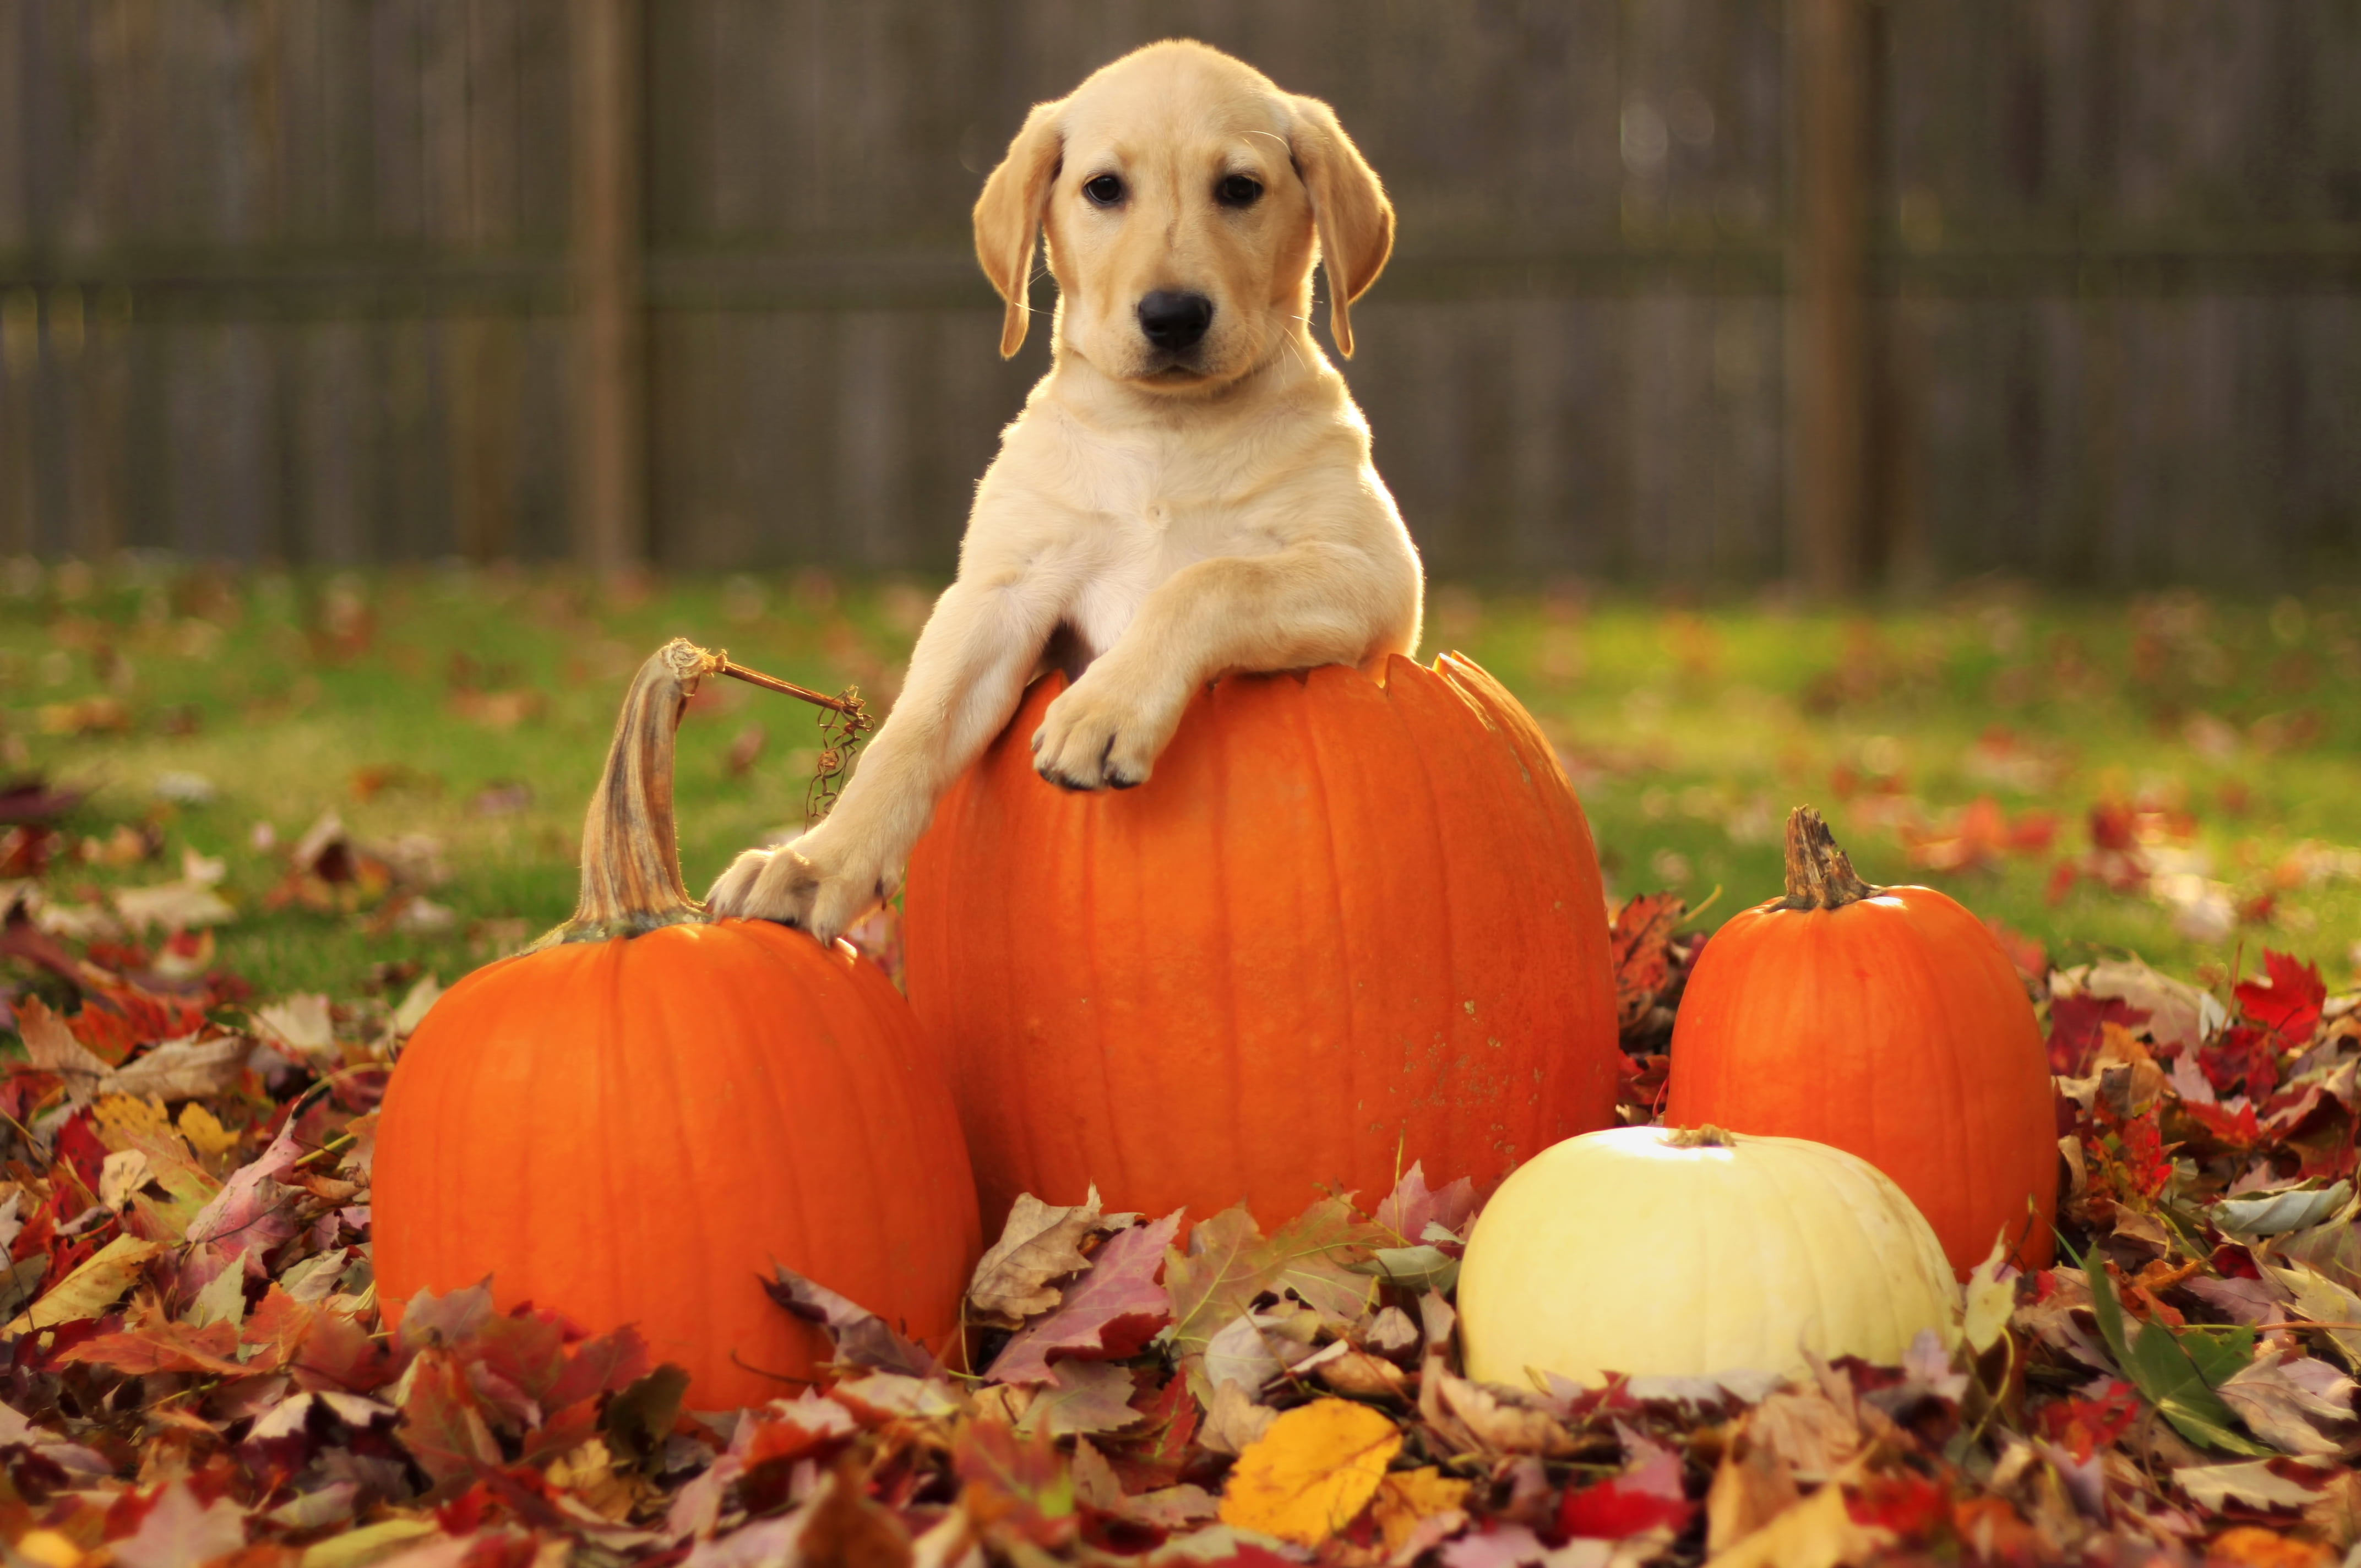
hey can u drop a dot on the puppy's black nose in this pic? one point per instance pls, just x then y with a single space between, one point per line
1174 321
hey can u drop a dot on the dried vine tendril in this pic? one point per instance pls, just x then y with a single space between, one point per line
844 723
842 730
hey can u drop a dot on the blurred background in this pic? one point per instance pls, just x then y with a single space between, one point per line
1688 291
1942 411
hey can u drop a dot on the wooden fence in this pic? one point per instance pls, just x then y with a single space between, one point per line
325 279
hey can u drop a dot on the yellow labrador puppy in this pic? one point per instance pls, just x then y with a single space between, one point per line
1189 489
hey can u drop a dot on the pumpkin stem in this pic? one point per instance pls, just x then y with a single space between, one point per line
1819 874
630 856
1707 1136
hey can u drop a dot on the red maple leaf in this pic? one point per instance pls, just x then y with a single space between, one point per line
2083 1427
1647 1496
1909 1505
164 1347
2145 1161
1110 1312
2242 1055
2288 1002
2075 1024
2238 1129
1637 940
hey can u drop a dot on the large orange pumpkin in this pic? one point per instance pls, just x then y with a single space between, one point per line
1887 1022
633 1122
1353 920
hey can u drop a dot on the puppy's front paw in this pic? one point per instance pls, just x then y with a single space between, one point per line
811 884
1092 738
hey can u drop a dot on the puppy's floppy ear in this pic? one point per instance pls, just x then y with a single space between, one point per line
1349 211
1008 215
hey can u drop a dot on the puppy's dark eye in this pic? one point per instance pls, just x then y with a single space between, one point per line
1238 190
1103 191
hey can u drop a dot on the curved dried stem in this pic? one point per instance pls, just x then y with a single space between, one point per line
631 854
1707 1136
1819 874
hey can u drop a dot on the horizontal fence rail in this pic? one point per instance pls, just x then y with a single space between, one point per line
291 280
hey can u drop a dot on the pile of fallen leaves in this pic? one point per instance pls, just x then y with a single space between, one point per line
196 1368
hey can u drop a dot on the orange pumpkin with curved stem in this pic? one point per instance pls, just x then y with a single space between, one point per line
632 1122
1887 1022
1354 919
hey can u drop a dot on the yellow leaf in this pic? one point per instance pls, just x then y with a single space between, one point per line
1816 1533
1990 1299
366 1544
123 1120
1305 1478
91 1289
1408 1496
205 1132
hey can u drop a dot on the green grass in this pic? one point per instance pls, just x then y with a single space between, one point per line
1689 732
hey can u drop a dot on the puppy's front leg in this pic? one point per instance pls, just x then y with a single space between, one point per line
966 677
1310 604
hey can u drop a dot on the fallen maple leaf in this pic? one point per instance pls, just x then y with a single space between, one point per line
2288 1000
1647 1496
179 1533
1016 1486
2251 1546
862 1338
2252 1482
1639 939
1216 1279
1040 1243
1234 1421
2284 1401
443 1423
1110 1312
95 1285
1312 1257
1817 1533
185 903
175 1070
164 1347
1087 1397
250 1211
1315 1469
1752 1486
1412 1207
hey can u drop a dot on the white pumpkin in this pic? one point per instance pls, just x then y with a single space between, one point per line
1653 1252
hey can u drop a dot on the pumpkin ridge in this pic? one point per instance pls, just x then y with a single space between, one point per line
1356 1094
1445 944
1825 1179
1972 1126
779 1094
1235 1066
1092 933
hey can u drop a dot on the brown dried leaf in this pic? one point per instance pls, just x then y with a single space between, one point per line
1234 1421
1041 1244
1807 1432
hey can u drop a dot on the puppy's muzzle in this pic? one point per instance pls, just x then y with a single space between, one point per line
1174 322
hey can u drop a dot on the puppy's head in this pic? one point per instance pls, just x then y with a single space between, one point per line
1185 199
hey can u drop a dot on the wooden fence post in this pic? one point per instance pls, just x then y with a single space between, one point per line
1827 310
610 530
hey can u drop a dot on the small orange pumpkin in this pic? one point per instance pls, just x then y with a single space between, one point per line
1884 1021
1353 920
631 1122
